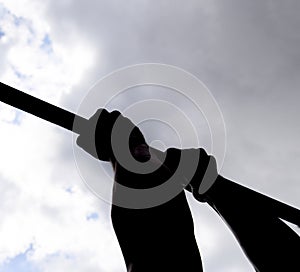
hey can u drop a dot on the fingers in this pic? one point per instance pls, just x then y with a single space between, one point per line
87 138
96 137
204 177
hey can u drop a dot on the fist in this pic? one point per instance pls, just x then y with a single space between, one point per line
106 132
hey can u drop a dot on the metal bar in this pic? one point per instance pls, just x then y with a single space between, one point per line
65 119
40 108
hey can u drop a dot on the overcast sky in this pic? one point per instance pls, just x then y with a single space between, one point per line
245 52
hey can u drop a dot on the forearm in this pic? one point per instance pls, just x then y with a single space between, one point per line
268 242
159 238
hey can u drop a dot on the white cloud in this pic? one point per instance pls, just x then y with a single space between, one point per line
36 207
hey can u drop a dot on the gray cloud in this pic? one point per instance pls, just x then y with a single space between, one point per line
246 52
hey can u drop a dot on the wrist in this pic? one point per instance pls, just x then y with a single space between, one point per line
204 177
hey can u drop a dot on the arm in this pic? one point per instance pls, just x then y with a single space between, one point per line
269 243
158 238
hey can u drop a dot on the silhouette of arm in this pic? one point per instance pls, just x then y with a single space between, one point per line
268 242
159 238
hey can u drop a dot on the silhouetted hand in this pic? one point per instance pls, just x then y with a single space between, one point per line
110 135
204 176
98 138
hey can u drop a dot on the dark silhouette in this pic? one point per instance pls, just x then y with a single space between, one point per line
162 238
154 239
268 242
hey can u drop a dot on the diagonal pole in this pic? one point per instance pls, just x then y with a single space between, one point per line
40 108
65 119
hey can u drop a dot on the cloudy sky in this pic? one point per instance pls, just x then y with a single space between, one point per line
246 53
